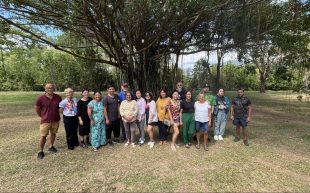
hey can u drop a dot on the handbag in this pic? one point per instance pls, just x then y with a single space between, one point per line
167 122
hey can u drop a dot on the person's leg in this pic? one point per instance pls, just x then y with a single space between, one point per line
223 124
217 125
75 124
185 127
67 129
150 132
133 127
160 130
127 130
165 130
116 130
191 127
95 136
122 125
103 139
109 132
142 131
175 133
42 143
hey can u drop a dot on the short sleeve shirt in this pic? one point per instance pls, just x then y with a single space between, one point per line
49 108
112 105
241 107
188 107
69 106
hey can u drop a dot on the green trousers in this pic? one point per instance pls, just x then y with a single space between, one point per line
188 127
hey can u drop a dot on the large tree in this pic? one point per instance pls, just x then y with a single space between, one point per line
136 36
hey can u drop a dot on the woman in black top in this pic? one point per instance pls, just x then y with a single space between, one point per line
84 121
187 117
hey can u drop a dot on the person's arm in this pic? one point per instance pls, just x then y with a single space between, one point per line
105 111
210 118
181 112
79 112
121 110
232 112
89 112
249 113
38 110
152 107
61 107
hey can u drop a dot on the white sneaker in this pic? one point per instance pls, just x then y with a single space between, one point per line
216 137
149 143
220 137
152 144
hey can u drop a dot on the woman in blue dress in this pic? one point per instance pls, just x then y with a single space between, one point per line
95 113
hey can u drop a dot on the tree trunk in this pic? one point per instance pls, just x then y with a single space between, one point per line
262 79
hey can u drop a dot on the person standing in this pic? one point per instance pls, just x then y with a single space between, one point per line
112 116
221 109
128 110
202 120
84 121
241 111
47 108
141 116
152 118
96 116
68 107
181 90
174 114
188 119
162 105
122 97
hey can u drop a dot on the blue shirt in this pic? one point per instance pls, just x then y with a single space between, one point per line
69 106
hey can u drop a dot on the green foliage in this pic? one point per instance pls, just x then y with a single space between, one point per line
29 69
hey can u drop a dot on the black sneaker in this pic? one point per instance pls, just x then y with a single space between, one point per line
237 139
246 142
41 155
52 149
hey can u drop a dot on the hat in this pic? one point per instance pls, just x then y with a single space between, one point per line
206 86
125 84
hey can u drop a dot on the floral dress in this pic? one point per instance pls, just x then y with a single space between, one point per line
175 108
98 131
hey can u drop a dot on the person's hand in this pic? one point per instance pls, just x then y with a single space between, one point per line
248 119
181 123
232 117
209 124
92 122
107 122
81 122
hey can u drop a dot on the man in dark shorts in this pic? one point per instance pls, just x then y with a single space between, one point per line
241 111
47 108
111 114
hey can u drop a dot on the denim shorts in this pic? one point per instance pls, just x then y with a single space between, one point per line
202 126
241 122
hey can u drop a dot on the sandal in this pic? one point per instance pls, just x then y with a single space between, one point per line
127 143
197 146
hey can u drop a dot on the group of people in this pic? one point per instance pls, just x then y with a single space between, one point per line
121 114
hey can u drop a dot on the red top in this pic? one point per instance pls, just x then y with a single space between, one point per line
49 108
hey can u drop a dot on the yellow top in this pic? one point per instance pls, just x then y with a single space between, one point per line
161 106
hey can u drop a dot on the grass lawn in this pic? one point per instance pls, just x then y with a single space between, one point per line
277 160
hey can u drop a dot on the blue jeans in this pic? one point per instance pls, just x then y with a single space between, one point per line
220 123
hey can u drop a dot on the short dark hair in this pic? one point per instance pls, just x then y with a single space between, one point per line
97 91
85 89
241 89
111 85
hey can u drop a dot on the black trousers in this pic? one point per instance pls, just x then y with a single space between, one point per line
71 127
123 130
113 127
